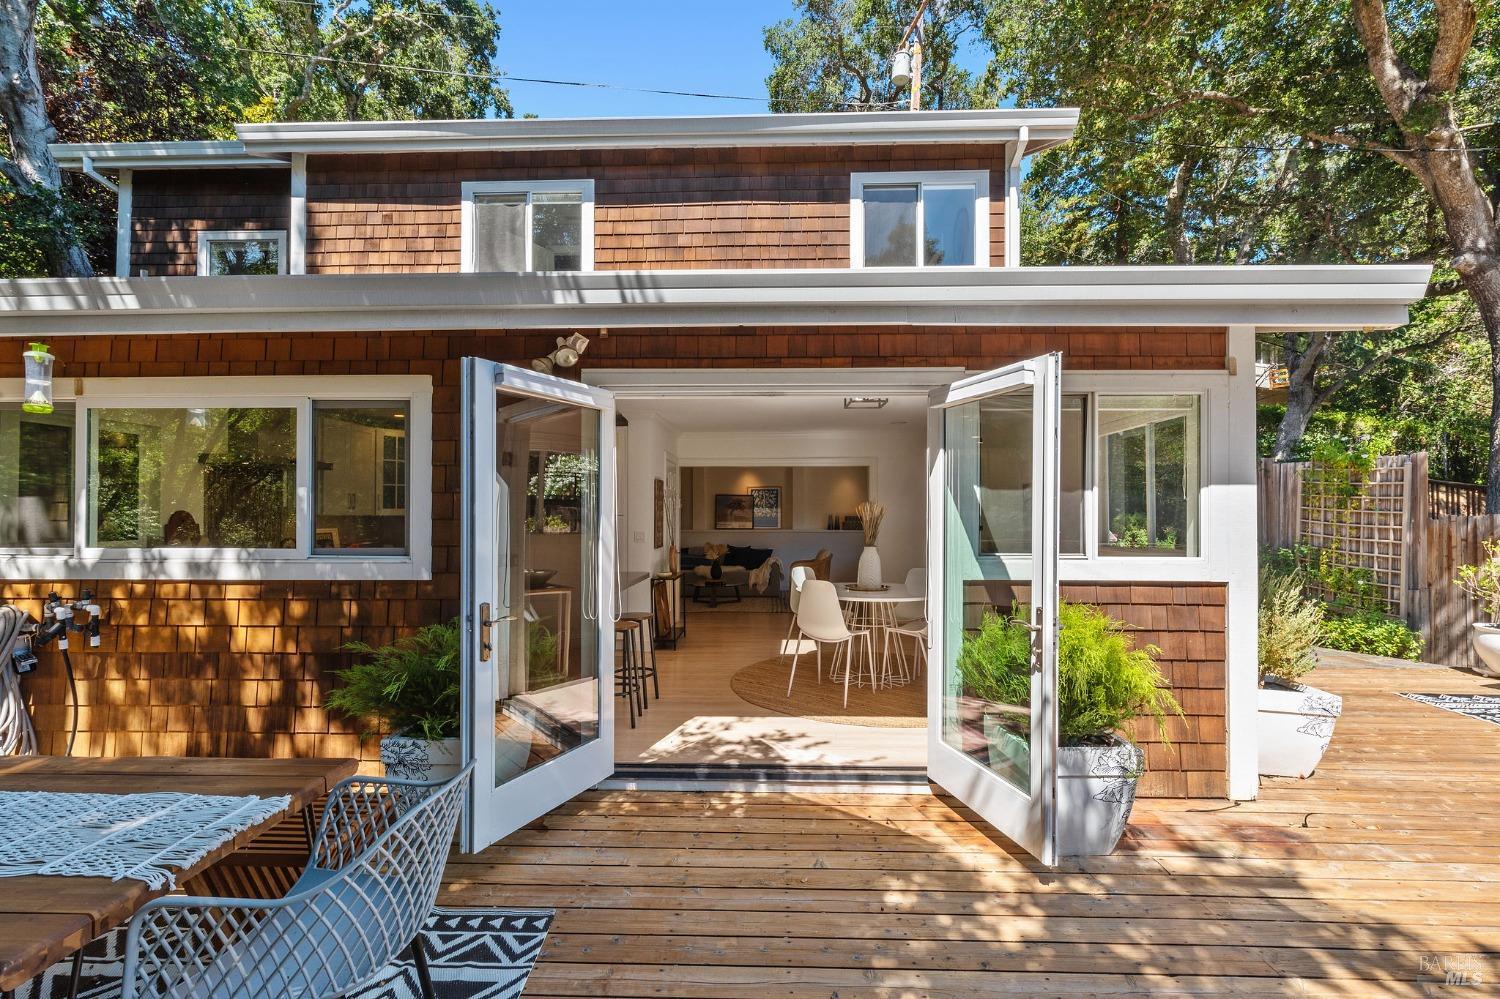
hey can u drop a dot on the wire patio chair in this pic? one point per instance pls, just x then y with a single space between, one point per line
370 882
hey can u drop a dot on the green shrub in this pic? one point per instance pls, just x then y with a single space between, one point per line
410 686
1104 681
1130 530
1482 581
1371 633
1291 623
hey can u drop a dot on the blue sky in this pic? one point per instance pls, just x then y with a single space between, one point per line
709 46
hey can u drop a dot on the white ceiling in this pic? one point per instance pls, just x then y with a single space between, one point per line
777 414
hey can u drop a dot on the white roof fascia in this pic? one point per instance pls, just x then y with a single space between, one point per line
1048 126
159 155
1267 297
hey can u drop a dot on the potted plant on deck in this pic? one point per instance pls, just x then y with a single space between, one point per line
1482 582
1104 682
1294 721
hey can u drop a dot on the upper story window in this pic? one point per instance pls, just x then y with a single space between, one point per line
528 225
931 219
242 251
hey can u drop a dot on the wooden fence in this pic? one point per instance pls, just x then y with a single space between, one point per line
1400 527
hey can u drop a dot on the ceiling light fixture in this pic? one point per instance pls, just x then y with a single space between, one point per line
569 349
864 402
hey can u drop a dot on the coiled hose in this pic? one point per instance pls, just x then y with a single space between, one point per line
17 735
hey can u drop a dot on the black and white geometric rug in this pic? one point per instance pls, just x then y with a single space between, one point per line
1481 706
473 954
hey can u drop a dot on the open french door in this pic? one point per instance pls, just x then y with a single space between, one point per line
539 598
993 443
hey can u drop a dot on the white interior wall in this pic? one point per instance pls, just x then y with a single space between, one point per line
642 459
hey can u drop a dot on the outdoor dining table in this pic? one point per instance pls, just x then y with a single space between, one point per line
46 918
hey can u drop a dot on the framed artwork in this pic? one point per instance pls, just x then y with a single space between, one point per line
326 537
659 514
765 503
733 512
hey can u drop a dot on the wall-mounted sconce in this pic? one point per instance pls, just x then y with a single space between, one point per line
569 349
37 397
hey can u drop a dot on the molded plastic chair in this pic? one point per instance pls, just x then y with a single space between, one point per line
799 575
910 622
820 618
369 885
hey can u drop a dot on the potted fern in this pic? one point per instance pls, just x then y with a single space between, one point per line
1294 721
1104 682
1482 582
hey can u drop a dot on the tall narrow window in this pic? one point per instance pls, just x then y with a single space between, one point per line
1149 474
528 226
36 477
920 220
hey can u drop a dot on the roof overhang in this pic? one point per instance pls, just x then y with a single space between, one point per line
1269 298
273 144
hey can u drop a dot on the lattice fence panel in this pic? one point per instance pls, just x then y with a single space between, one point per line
1362 526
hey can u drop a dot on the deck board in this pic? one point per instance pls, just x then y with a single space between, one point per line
1364 880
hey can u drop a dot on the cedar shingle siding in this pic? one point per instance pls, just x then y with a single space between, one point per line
170 208
242 668
654 208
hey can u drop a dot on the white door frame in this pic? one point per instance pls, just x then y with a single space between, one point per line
493 812
1030 819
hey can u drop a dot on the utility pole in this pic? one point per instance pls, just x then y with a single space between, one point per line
916 55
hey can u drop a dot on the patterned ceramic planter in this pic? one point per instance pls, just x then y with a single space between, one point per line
1487 648
419 759
1095 792
1294 724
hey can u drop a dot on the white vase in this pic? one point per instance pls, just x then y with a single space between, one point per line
869 576
1095 792
1294 724
1487 648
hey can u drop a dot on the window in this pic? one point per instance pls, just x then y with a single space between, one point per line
1003 439
938 219
1148 474
360 484
36 477
528 226
227 478
242 252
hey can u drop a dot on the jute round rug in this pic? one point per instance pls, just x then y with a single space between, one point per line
764 685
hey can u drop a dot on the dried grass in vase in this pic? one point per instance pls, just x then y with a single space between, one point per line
870 515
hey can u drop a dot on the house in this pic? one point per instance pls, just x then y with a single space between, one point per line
327 395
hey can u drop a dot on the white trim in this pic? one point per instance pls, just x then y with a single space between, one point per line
656 383
1016 154
158 155
583 187
123 208
296 260
923 179
1235 502
1268 297
241 235
297 392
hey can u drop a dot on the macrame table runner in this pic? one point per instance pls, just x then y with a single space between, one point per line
143 836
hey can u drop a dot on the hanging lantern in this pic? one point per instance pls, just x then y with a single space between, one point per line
37 397
901 69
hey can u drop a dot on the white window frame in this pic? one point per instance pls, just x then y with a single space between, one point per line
583 187
980 179
298 392
240 236
402 435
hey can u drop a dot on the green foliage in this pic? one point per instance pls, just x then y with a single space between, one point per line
29 225
1482 581
1104 681
835 55
410 687
1372 633
542 667
1290 625
1130 531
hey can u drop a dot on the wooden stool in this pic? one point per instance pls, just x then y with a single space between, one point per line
627 680
646 621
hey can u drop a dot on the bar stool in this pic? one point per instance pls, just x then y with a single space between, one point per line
646 622
627 681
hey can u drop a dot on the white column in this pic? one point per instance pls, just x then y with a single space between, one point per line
1013 199
1235 518
125 183
296 248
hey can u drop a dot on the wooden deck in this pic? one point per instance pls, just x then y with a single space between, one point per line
1378 876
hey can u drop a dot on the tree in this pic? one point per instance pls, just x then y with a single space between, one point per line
1276 112
836 56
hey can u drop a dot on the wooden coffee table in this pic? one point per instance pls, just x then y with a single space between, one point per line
713 591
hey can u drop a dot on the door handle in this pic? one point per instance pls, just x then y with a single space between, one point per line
486 646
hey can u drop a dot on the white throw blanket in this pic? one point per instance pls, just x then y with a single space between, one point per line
143 836
760 577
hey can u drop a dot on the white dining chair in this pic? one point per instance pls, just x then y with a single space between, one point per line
910 622
821 619
800 574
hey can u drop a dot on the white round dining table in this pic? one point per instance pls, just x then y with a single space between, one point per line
875 611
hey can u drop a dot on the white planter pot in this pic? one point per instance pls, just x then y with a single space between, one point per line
1095 792
418 759
1487 648
869 575
1294 724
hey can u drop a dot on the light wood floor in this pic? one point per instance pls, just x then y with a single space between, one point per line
1370 878
699 719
